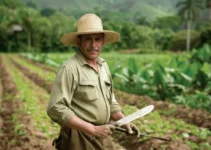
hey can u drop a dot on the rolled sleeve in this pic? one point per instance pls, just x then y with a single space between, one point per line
59 106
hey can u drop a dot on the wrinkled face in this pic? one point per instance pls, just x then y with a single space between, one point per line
90 45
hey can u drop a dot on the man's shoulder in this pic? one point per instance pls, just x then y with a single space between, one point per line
71 63
103 61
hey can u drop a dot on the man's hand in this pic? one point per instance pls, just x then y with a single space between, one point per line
131 128
103 131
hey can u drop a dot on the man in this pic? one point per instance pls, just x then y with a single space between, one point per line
82 99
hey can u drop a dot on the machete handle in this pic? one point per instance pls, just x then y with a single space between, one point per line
125 131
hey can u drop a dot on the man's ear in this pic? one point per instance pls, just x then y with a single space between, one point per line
78 41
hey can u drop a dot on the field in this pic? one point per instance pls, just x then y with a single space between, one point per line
24 93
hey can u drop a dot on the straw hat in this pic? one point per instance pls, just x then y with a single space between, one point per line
89 24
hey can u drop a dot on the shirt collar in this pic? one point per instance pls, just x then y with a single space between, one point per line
83 61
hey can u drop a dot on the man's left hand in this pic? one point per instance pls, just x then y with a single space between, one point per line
131 128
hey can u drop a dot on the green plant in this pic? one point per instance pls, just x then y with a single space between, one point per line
202 54
19 129
178 80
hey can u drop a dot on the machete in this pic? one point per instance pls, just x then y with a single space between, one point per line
141 134
140 113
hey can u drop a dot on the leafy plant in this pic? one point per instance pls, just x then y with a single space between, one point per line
177 80
19 129
202 54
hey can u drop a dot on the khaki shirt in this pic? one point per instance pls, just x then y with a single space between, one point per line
80 90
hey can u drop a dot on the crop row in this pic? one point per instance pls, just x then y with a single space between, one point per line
18 130
34 97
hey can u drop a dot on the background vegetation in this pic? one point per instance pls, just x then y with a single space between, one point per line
28 26
164 53
144 25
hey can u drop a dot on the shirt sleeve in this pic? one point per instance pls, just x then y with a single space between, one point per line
59 106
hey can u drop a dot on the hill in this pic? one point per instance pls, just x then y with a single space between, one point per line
125 8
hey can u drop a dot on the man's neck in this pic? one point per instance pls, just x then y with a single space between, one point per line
93 63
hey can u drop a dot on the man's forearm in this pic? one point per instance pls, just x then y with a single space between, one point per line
118 115
81 125
102 131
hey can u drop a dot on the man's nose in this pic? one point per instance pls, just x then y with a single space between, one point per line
93 43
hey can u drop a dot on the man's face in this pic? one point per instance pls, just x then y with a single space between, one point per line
90 45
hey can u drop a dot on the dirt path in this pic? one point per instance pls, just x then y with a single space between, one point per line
17 130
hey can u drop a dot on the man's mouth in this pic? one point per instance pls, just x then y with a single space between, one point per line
92 50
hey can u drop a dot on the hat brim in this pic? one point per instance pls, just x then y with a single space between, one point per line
109 37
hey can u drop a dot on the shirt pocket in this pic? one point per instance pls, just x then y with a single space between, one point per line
108 89
87 90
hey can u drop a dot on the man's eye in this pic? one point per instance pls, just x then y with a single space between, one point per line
98 39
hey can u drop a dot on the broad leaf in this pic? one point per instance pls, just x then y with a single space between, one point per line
159 80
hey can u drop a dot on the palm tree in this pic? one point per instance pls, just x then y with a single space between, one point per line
189 10
208 5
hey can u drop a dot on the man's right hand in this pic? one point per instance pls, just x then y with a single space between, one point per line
104 131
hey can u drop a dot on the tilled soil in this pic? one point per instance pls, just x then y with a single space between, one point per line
33 76
17 132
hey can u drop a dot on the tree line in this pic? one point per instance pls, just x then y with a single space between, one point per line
25 27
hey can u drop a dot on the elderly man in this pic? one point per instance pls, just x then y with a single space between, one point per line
82 99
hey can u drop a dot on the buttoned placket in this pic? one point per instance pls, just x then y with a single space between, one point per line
101 81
